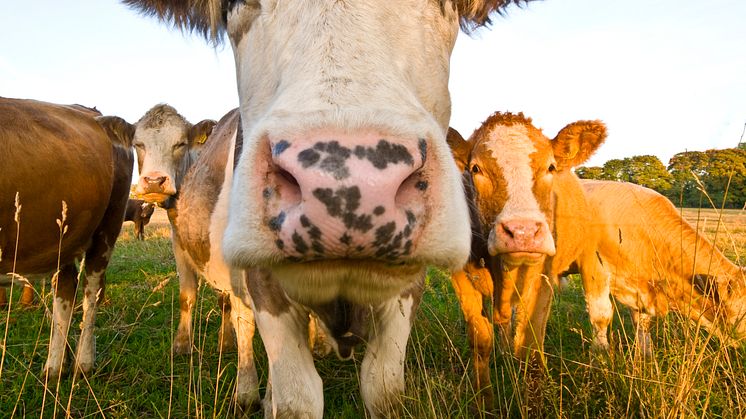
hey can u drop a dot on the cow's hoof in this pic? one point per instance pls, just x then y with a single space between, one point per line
247 404
182 346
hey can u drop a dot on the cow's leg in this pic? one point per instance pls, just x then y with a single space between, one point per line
187 299
643 341
138 230
96 260
27 296
535 300
382 370
226 335
64 285
247 381
502 313
294 388
479 331
596 283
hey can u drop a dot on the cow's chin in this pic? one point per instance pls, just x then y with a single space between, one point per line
358 281
154 197
515 259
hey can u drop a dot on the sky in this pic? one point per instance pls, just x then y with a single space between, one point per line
665 76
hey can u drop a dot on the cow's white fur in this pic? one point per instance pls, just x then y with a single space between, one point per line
512 149
290 83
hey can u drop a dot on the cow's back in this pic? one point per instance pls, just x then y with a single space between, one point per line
50 154
200 190
575 227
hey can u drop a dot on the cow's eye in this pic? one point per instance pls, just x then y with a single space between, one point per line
475 169
139 146
179 146
552 168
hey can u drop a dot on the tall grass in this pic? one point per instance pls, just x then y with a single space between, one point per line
689 375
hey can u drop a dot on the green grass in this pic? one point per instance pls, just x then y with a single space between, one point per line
690 374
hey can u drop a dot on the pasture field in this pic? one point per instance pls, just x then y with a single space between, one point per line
690 375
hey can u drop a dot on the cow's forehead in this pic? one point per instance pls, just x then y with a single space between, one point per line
514 145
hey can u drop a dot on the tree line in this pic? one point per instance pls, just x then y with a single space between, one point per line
719 173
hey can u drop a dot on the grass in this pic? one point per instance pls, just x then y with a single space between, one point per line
690 375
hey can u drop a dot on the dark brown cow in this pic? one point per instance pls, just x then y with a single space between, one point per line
339 186
139 212
63 192
659 263
531 222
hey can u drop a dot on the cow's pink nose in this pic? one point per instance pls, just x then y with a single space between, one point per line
522 235
345 196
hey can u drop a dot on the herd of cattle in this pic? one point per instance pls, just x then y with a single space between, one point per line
328 192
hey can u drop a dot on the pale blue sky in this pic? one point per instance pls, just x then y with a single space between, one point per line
664 75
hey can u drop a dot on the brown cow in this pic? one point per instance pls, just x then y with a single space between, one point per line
340 185
659 263
139 212
530 221
63 193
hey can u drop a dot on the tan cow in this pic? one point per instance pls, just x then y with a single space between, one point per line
63 191
659 263
340 187
530 222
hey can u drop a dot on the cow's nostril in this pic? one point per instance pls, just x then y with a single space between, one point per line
155 180
287 186
410 190
507 231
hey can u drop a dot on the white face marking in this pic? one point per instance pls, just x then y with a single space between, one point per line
512 148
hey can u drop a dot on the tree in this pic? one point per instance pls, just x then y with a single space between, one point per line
648 171
591 172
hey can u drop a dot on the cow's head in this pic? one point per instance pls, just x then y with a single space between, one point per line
166 144
344 108
146 211
513 168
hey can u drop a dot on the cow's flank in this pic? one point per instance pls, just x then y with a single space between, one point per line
342 187
70 171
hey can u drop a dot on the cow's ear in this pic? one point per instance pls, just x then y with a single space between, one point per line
460 148
200 131
577 142
119 131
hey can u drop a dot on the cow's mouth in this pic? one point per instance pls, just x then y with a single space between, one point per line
155 197
514 259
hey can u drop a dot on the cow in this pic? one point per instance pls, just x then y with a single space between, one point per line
339 188
658 262
66 179
139 212
531 221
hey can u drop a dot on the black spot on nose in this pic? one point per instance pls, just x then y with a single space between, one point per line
308 157
421 185
379 210
275 223
278 148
